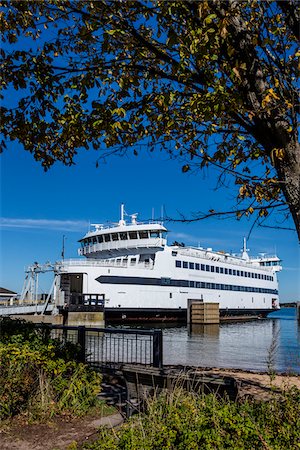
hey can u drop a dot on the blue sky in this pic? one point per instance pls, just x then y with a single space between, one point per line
38 208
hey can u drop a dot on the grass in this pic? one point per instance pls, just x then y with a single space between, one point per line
181 420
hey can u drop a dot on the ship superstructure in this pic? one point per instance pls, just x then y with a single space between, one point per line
138 275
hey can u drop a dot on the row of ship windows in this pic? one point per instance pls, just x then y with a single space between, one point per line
219 286
224 270
122 237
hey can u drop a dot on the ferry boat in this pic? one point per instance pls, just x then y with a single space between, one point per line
132 269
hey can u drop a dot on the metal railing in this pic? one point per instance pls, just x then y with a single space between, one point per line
86 302
102 347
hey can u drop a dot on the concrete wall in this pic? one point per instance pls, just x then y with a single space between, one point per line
88 319
39 318
75 319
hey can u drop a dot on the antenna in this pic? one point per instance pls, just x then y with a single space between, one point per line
63 248
122 221
245 250
162 212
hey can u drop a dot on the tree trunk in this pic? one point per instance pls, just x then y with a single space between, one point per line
288 170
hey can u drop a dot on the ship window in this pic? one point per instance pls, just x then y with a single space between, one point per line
185 265
202 267
107 237
133 261
213 286
226 271
242 273
230 272
154 234
212 269
123 236
238 273
166 281
234 272
143 234
217 269
163 235
132 235
114 237
192 265
255 275
174 253
207 268
221 270
178 263
192 283
203 284
198 284
94 240
197 266
100 238
118 261
271 278
171 295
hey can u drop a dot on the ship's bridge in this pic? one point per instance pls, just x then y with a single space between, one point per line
123 239
272 262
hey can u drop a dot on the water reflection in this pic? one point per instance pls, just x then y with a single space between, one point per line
212 330
260 345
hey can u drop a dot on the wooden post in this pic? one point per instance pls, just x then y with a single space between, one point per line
199 312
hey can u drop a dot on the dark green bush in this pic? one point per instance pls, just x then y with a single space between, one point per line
40 376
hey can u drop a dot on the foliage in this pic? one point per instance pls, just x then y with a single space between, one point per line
181 420
211 83
38 375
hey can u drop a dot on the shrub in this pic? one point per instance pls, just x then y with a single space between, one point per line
181 420
40 376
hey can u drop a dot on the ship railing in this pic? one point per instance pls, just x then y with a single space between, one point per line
85 302
112 225
223 258
103 347
127 244
105 263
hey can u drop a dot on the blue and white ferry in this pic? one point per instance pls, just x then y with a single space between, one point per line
139 276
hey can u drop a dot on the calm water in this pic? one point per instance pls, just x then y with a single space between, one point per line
249 345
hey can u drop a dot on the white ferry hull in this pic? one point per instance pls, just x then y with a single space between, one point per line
161 291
